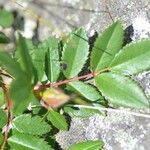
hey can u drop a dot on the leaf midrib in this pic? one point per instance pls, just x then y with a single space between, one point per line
128 60
92 146
107 43
15 140
83 93
58 120
74 58
129 94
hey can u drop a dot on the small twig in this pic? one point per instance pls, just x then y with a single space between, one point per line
2 72
109 13
49 85
45 115
90 75
87 76
114 110
9 115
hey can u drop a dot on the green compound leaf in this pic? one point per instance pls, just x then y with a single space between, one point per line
81 112
20 88
20 141
75 53
51 42
3 118
6 18
38 59
57 120
132 59
11 65
1 97
86 90
106 46
29 45
20 93
121 91
46 59
52 64
25 58
1 138
3 38
31 125
87 145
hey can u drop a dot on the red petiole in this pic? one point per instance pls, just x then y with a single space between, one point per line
87 76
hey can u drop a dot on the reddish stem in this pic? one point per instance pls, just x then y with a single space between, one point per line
90 75
9 116
40 87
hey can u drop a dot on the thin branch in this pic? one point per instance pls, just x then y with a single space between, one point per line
4 73
87 76
114 110
49 85
109 13
9 115
90 75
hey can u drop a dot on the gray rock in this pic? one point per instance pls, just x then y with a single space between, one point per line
119 132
